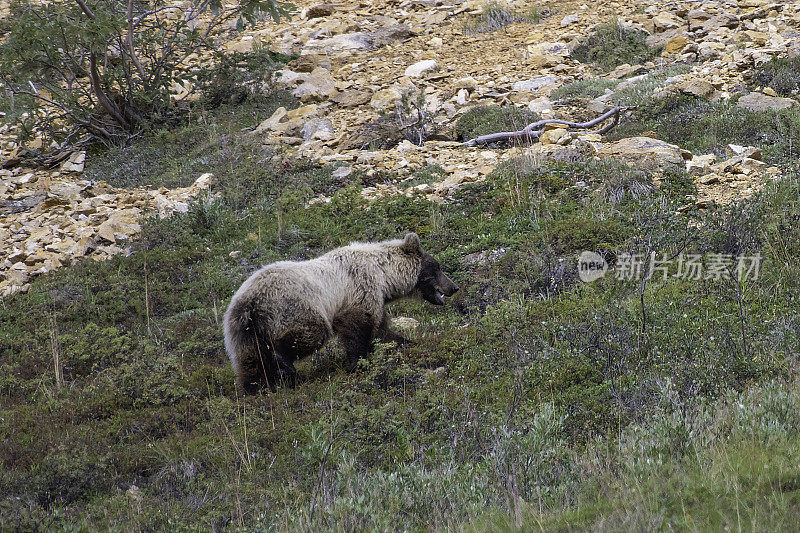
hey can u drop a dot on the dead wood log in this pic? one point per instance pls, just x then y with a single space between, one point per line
530 132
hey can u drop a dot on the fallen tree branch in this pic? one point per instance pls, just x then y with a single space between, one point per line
681 2
530 132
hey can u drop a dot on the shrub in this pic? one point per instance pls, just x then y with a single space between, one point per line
630 93
612 44
411 120
678 185
587 88
782 74
108 68
235 77
495 16
767 412
95 349
529 461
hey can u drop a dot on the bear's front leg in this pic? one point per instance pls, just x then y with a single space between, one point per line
386 334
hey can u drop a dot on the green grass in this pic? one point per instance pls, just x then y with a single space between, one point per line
633 95
175 158
612 44
482 120
782 74
533 400
701 126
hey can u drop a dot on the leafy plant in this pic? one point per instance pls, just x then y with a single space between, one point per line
235 77
413 119
495 15
585 88
410 120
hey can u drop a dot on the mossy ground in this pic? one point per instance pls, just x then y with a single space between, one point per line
532 400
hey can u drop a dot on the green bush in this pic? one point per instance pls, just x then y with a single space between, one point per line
586 88
612 44
410 120
678 186
632 93
95 349
387 369
235 77
495 16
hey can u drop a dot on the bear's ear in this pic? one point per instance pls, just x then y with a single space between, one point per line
411 244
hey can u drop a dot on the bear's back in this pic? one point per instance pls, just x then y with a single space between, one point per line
285 285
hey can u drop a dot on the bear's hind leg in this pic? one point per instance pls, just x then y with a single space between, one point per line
258 370
357 330
297 343
287 374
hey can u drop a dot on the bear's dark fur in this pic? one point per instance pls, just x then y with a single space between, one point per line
287 310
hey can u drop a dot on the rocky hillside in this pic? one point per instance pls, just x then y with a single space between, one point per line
662 395
425 64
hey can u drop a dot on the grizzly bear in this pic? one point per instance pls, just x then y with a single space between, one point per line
287 310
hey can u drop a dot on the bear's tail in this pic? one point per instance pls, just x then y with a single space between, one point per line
249 348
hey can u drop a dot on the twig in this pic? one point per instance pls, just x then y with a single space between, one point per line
319 482
737 282
642 286
530 130
147 300
55 350
85 9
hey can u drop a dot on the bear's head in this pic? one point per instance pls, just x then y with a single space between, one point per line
432 283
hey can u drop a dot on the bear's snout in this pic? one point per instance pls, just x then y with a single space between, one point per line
435 287
446 286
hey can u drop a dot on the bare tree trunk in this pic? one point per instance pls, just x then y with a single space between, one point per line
110 107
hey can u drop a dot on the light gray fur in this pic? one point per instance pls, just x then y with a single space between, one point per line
302 299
